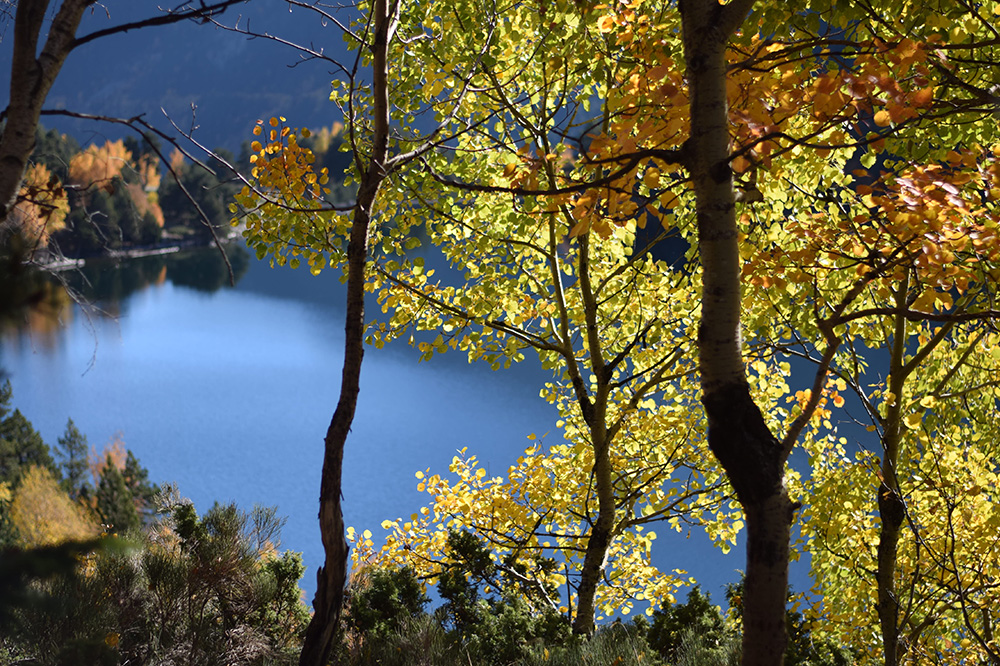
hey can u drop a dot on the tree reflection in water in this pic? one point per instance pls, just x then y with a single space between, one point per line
36 303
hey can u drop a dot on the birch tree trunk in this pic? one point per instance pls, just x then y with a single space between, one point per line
751 455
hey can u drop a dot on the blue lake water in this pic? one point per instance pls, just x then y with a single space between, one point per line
227 392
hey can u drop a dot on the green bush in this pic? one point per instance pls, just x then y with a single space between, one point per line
383 601
697 615
199 591
503 627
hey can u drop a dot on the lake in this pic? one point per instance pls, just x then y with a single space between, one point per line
227 392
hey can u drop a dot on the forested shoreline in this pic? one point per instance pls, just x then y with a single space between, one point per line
118 198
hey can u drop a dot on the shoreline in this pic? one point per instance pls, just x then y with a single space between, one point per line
56 264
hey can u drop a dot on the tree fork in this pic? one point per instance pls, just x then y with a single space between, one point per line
752 457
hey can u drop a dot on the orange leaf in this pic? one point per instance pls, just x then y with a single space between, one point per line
922 97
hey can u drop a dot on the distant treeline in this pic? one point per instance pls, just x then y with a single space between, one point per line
83 202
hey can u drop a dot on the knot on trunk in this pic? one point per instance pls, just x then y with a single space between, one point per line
740 439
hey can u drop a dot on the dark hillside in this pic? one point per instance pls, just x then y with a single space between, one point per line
231 80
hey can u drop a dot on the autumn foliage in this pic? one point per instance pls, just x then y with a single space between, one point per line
44 515
855 206
41 206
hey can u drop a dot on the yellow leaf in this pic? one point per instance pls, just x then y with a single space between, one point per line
912 421
882 118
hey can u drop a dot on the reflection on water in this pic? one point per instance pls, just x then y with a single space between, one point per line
102 285
42 316
202 269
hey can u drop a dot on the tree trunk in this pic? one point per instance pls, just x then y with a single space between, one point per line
32 75
891 509
332 576
751 455
754 463
595 413
597 544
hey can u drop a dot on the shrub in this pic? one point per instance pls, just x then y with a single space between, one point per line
198 591
697 615
382 601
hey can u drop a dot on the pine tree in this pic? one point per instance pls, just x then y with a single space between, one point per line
115 504
143 492
20 444
72 453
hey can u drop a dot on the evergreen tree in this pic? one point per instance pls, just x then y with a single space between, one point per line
54 150
697 615
20 444
72 452
211 190
115 504
143 492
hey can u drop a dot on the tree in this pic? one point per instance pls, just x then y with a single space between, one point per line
212 192
123 495
20 445
697 615
137 479
616 357
917 555
800 155
73 452
35 65
303 199
43 515
115 503
382 601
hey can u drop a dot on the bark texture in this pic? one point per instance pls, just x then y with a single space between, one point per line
332 576
751 455
601 533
